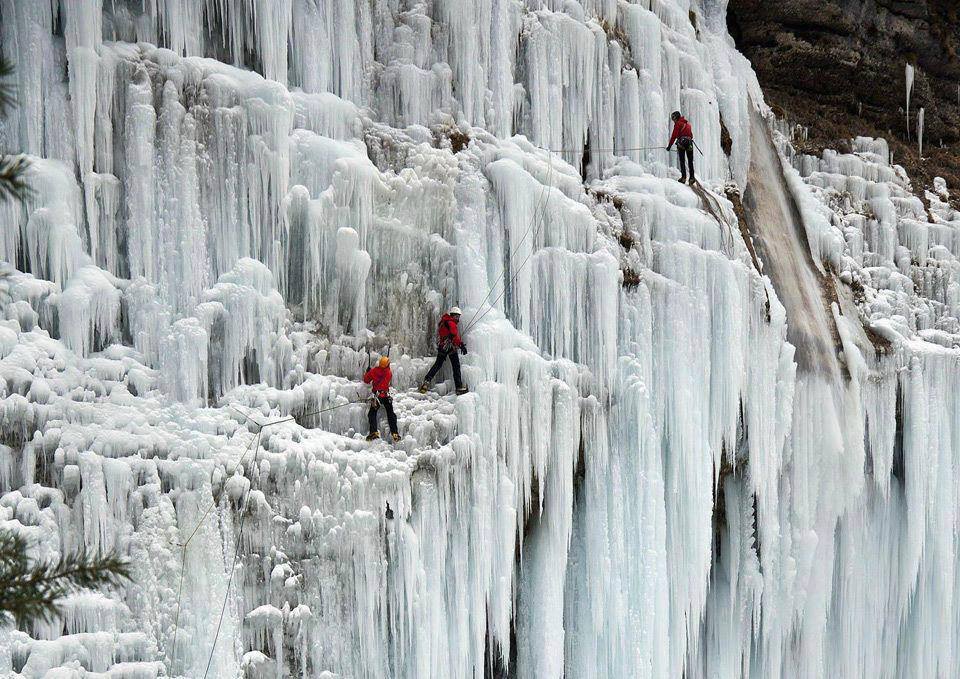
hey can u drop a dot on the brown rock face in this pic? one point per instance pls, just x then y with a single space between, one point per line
837 67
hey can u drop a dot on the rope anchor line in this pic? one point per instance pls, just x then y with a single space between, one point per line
609 150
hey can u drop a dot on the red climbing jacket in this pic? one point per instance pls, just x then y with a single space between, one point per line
448 333
379 379
681 129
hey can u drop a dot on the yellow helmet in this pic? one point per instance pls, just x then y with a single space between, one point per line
384 361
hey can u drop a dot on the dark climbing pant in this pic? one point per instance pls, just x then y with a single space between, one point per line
685 151
454 363
387 404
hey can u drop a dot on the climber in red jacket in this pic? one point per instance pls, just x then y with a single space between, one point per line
683 135
448 344
379 380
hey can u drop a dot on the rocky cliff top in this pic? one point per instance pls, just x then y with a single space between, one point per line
837 67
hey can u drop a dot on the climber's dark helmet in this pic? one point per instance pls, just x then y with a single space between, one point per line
675 115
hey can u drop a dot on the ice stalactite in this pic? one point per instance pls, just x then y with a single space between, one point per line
908 74
88 311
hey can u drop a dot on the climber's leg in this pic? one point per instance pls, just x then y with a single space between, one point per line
455 364
441 354
391 416
372 419
682 157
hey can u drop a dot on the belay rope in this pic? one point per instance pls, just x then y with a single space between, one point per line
254 445
545 194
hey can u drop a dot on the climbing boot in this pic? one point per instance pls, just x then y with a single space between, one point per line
461 391
693 180
373 436
423 388
683 179
396 437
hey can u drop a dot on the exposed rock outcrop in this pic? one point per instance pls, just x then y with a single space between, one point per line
837 67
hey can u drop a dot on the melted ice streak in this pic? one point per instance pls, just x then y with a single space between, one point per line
660 480
920 133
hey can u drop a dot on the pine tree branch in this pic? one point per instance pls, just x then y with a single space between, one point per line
34 591
8 90
80 571
13 550
13 182
13 169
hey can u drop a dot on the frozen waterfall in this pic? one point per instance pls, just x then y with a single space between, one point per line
712 433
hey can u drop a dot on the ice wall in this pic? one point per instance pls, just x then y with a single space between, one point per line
237 205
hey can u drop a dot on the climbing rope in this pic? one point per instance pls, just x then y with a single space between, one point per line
293 418
536 227
254 445
243 516
236 554
542 199
260 426
536 232
183 558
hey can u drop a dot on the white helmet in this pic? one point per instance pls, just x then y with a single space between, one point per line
455 311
